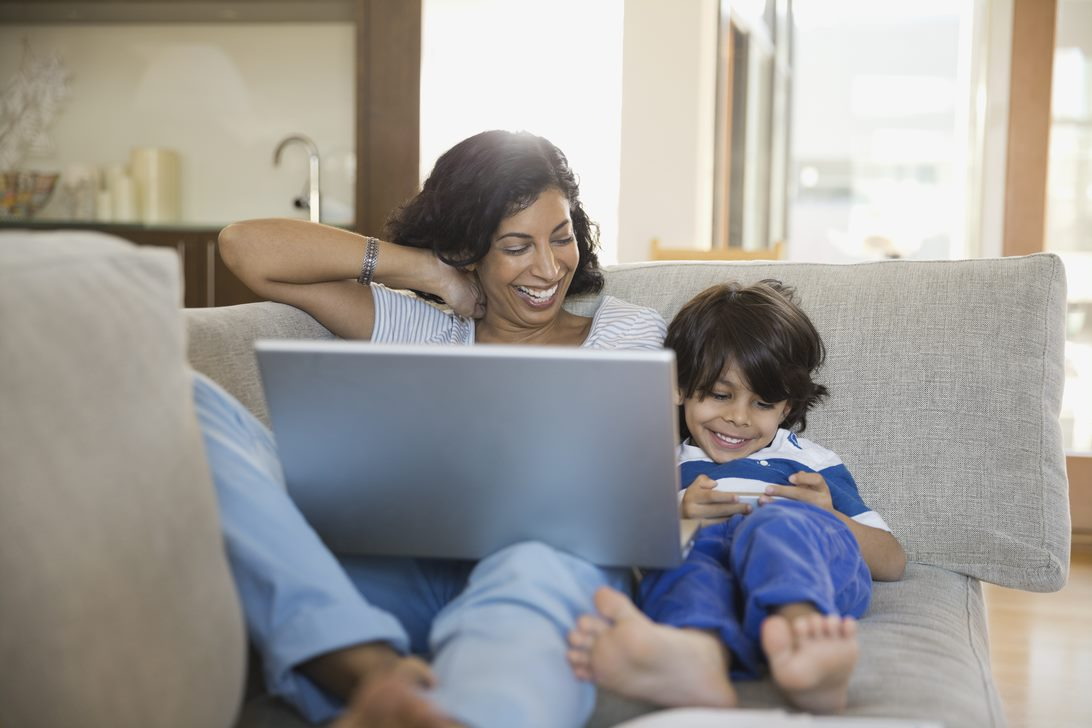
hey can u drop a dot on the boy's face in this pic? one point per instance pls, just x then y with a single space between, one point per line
731 422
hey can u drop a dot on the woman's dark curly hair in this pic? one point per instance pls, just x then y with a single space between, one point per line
483 180
762 331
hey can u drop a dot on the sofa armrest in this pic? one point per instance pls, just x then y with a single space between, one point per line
117 605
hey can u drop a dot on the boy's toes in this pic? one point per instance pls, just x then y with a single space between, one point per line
614 605
592 625
777 635
580 663
580 639
808 627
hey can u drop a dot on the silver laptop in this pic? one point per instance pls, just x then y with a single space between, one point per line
456 452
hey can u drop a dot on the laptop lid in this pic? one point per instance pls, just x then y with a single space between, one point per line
456 452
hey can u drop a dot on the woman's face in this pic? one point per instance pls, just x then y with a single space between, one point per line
528 269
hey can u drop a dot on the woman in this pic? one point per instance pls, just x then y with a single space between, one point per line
498 234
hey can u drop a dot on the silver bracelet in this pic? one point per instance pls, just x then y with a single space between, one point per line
367 269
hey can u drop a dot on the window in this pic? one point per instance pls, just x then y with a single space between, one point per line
1069 207
882 162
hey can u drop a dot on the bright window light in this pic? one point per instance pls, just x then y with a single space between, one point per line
553 69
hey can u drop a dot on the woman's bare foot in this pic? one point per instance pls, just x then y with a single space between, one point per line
811 659
623 650
391 702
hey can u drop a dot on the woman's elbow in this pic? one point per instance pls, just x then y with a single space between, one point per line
229 241
241 246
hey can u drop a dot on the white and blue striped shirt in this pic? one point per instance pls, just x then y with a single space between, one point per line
401 317
773 464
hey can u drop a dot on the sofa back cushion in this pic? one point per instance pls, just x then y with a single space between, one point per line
946 381
116 605
221 344
945 377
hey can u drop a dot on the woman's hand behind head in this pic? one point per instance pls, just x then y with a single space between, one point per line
461 291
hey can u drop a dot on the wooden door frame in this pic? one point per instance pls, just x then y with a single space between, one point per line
1028 147
722 141
388 108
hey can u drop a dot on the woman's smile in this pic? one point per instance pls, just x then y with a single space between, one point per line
538 297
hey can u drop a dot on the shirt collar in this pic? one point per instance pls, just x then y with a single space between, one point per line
687 451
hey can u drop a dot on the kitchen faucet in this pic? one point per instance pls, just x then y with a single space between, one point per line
314 198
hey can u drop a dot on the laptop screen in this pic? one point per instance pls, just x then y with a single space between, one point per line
455 452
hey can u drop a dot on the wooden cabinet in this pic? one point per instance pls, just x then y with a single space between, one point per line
206 280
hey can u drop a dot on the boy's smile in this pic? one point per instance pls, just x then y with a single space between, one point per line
732 422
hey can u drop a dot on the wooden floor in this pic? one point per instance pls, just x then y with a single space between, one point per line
1041 650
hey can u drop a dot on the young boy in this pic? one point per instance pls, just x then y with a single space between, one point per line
776 586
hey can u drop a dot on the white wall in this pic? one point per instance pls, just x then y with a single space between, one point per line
625 89
668 101
992 95
222 95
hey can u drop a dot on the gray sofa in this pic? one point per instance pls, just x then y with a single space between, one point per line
117 606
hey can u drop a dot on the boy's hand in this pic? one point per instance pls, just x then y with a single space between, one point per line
806 487
702 500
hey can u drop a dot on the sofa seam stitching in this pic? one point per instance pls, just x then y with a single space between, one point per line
1054 261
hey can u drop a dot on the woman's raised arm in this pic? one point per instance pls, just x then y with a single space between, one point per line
314 267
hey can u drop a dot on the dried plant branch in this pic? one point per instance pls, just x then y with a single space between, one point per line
30 101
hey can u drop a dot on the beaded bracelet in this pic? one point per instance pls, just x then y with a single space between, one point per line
367 269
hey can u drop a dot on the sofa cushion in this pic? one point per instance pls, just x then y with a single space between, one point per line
946 381
221 344
117 605
925 652
924 657
923 357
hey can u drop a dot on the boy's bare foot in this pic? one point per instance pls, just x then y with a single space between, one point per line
811 659
623 650
391 702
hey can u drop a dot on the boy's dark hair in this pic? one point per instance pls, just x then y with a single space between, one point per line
481 181
762 331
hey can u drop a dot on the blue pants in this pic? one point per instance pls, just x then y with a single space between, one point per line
495 630
739 571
